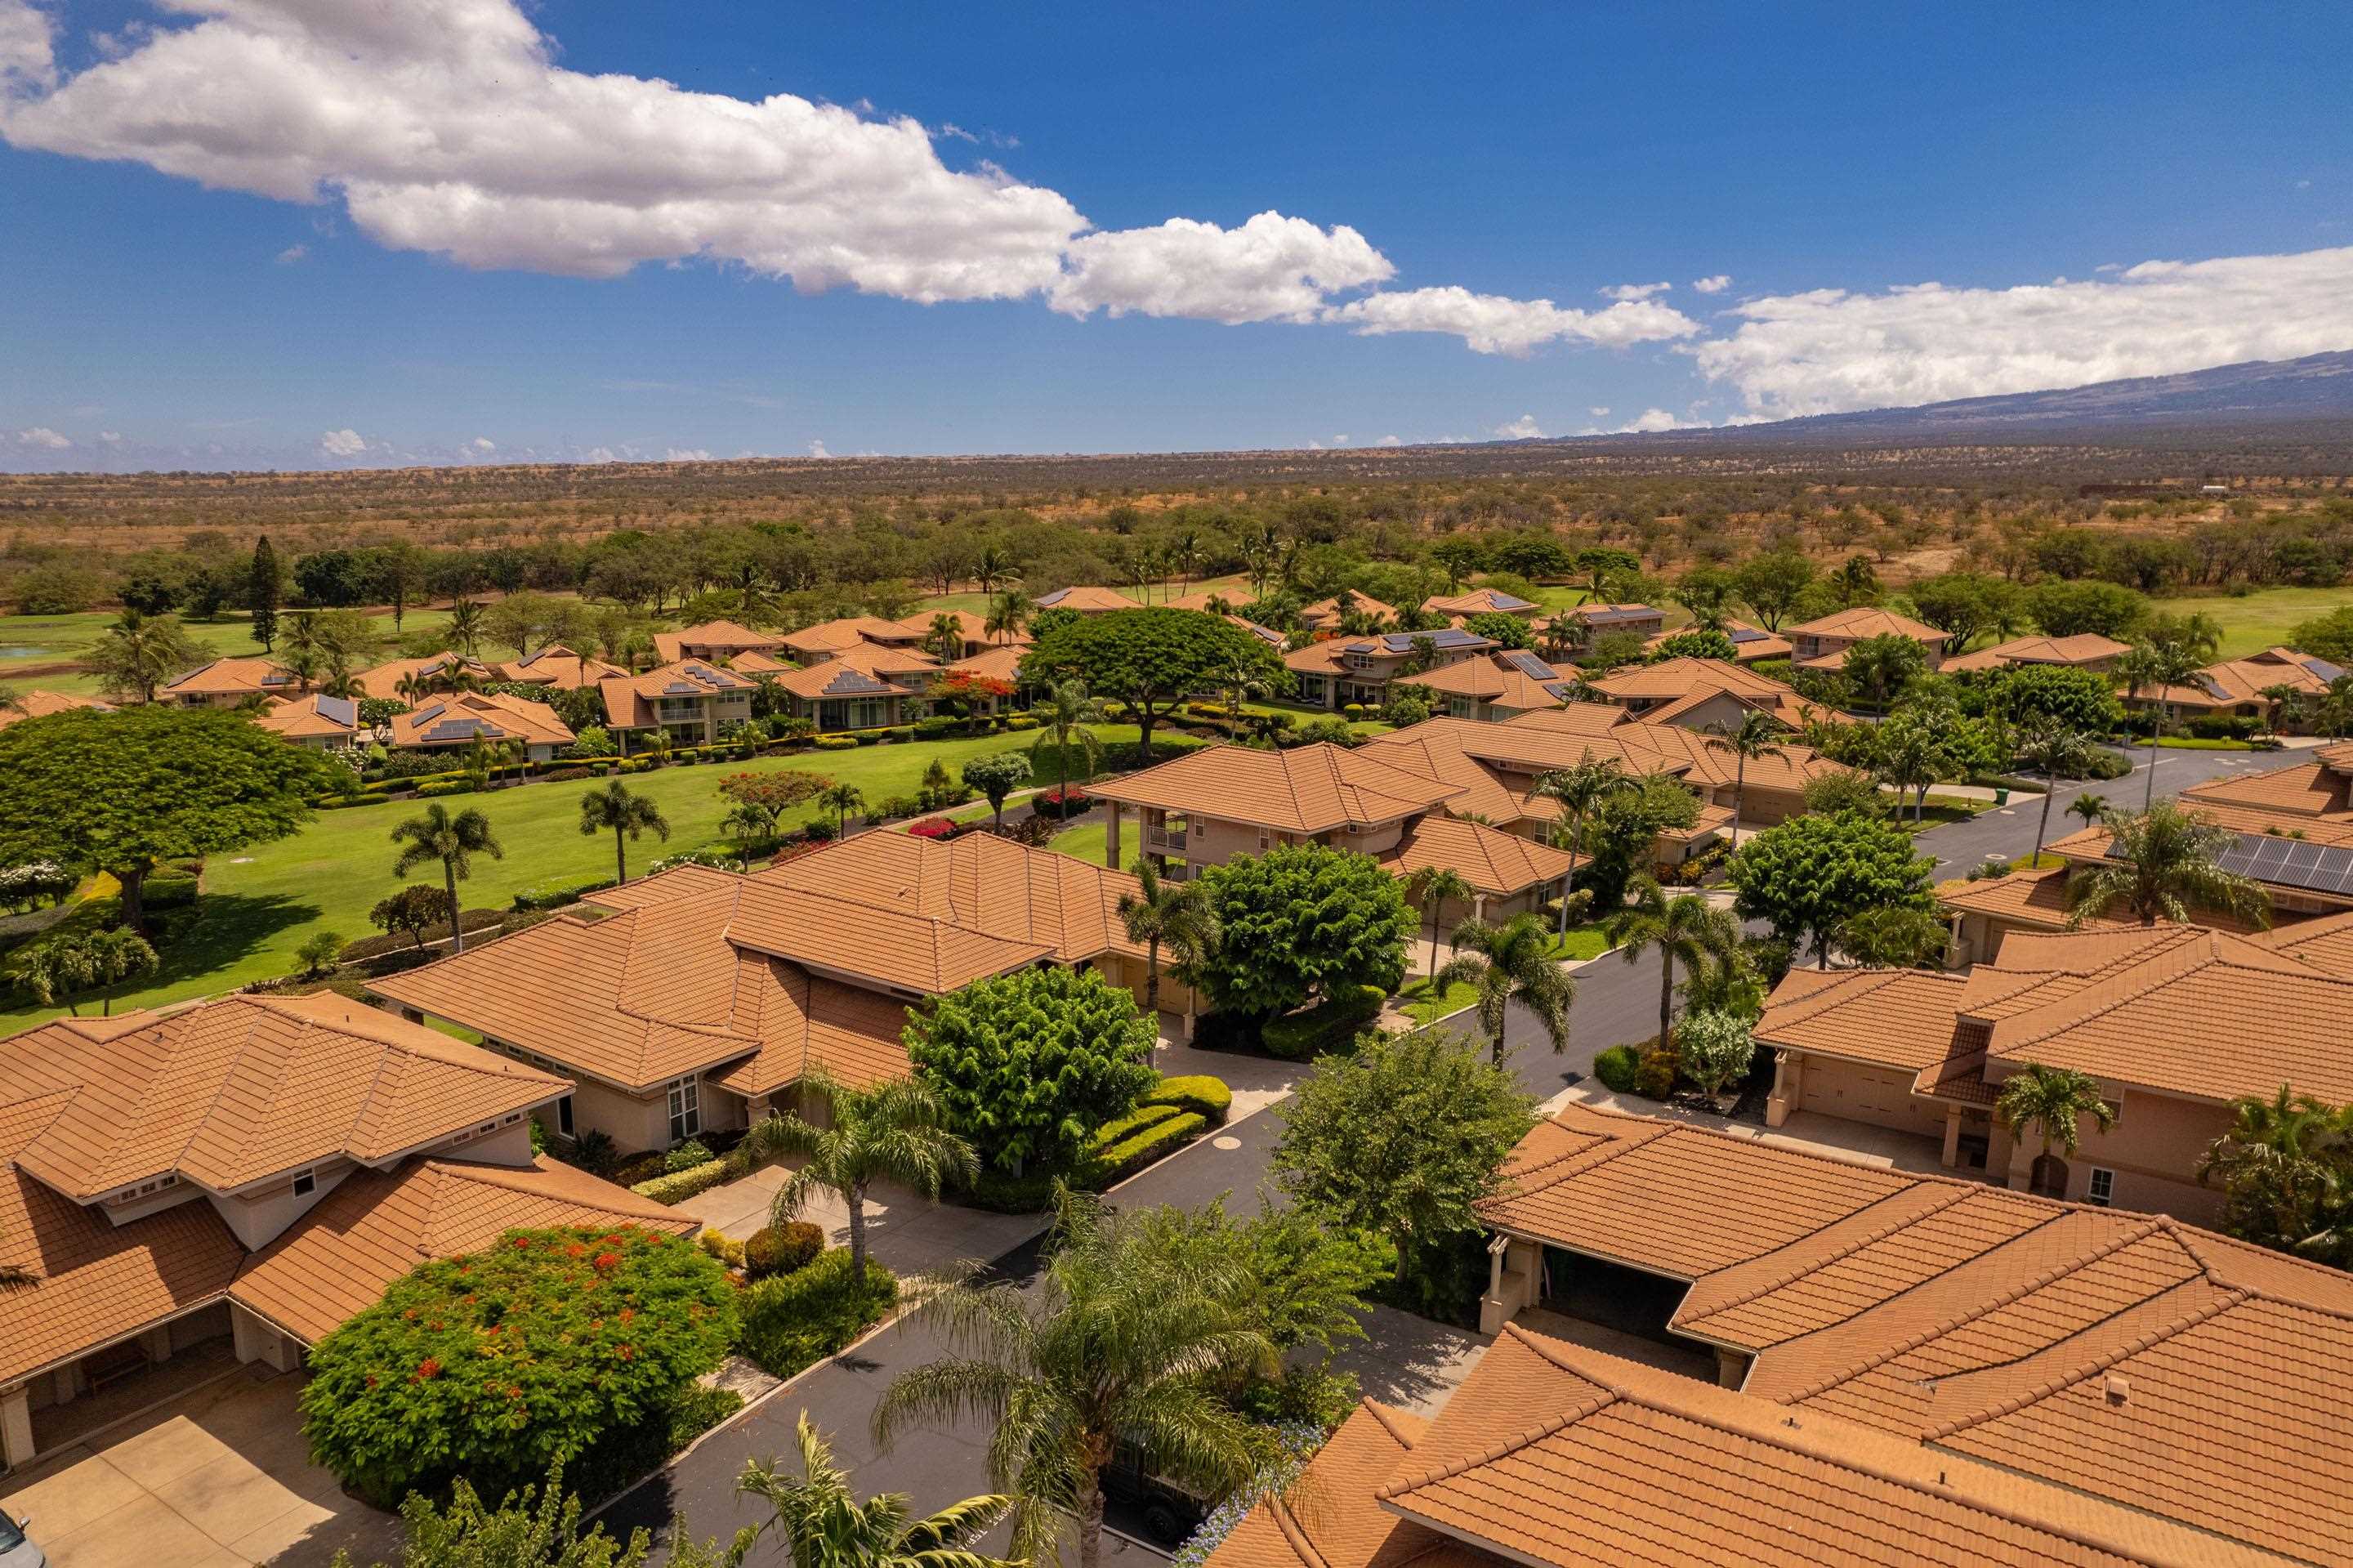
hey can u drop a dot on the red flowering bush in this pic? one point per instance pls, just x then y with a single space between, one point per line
1070 801
932 828
528 1352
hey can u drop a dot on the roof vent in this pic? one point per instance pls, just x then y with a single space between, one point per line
2119 1389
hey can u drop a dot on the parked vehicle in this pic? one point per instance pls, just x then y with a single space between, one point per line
16 1548
1168 1513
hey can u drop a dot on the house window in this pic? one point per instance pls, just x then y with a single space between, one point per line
685 1110
563 1115
306 1182
2103 1189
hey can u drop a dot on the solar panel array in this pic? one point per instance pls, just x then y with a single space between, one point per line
460 729
1528 664
342 710
2323 668
2283 862
1746 634
854 683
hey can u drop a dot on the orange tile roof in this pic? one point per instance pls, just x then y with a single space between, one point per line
384 681
1086 600
459 719
1491 682
1681 677
2308 789
1478 602
1786 708
1315 616
1307 789
2082 649
851 631
1900 1018
1490 860
40 704
238 1090
234 677
972 628
724 636
305 719
2023 898
376 1226
1002 663
558 668
1866 621
1753 642
1331 1517
842 674
2325 943
2243 680
630 701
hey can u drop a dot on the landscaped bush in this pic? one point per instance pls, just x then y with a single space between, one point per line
722 1246
1020 721
835 743
1114 1160
782 1249
678 1186
168 892
2224 726
527 1353
640 1167
791 1321
556 894
1196 1092
936 727
1060 804
446 787
932 828
468 921
1328 1026
1655 1078
1618 1068
570 775
686 1157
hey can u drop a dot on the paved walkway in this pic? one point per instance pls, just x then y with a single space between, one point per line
908 1233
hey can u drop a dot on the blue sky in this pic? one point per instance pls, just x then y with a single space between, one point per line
1539 155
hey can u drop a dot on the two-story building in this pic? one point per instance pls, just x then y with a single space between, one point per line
1590 620
1821 644
693 702
2255 687
1343 672
1696 692
318 721
455 722
867 686
1502 685
712 640
831 639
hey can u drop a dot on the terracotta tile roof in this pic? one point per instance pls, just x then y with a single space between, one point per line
1086 600
862 669
882 946
720 636
459 719
1714 767
1552 1454
2308 789
2246 680
2339 756
1490 860
237 1090
2326 943
234 677
40 704
973 629
1603 616
1331 1518
384 681
630 700
1681 677
996 663
1307 789
376 1226
559 669
1865 621
1753 642
316 716
1315 615
827 637
2083 648
1496 681
1900 1018
1786 708
2023 897
1478 602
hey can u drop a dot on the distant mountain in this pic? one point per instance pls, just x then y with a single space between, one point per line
2319 386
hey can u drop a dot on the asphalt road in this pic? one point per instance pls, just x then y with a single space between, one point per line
1617 1003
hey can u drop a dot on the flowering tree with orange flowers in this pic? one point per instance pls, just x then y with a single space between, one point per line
965 692
538 1350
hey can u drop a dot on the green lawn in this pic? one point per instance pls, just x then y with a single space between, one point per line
1581 943
1084 842
2253 623
260 905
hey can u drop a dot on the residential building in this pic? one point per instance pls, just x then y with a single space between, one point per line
697 998
1822 644
1696 692
1342 672
2237 688
1502 686
226 682
253 1169
712 640
1087 600
40 704
458 721
2158 1014
695 703
385 680
972 630
2082 1384
864 687
1326 614
559 669
1460 607
318 721
831 639
1592 619
2084 650
1751 644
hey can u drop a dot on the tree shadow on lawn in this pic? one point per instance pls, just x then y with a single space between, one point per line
227 928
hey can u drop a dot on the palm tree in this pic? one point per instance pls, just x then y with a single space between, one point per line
454 840
844 799
2088 806
2162 865
413 687
1009 614
1103 1356
1508 963
2053 1101
2049 748
1430 887
1754 738
340 682
1184 551
2279 1161
944 639
1581 790
2333 712
613 809
1910 756
1892 937
2152 667
895 1133
466 626
140 652
1175 915
1684 928
1069 710
2285 703
825 1526
992 567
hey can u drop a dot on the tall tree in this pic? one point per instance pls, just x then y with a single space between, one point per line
1151 660
1428 889
140 653
997 776
1684 929
614 810
1756 738
265 585
1581 791
2053 1102
1883 666
62 967
2151 667
466 627
1507 964
2164 864
823 1524
1069 710
2049 748
1171 915
893 1132
2283 1165
1303 923
844 799
1809 875
451 840
1009 614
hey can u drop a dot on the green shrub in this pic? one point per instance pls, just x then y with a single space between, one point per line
678 1186
2224 726
1617 1068
1326 1027
1198 1092
775 1249
446 787
556 894
169 892
937 726
791 1321
1003 1195
719 1245
1118 1128
1020 721
1111 1162
1655 1078
835 743
686 1157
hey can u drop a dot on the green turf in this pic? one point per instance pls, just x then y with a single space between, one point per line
1425 1006
260 904
2253 623
1084 842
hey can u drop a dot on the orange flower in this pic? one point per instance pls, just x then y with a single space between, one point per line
428 1368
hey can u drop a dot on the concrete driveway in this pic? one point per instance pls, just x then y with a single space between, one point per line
219 1477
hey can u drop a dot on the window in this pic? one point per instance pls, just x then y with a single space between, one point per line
306 1182
2103 1189
563 1115
685 1110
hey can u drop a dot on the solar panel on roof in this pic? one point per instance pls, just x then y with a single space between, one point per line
2323 668
1528 664
2283 862
1746 634
342 710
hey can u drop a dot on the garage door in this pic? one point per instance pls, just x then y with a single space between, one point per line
1878 1095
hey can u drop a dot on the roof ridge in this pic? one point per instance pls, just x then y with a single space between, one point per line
220 1086
2113 970
1407 1480
1870 1239
1615 1148
1386 1416
1976 1310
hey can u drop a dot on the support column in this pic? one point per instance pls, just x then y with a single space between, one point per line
1789 1082
15 1427
1111 836
157 1343
1952 1137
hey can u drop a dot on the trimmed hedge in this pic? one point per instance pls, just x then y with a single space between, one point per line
470 921
1111 1162
447 787
1328 1026
835 743
556 894
782 1250
1199 1093
1020 721
679 1185
1617 1068
792 1321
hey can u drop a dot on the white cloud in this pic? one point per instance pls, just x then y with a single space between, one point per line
686 454
111 438
1523 428
1659 419
344 443
1341 440
28 59
1830 351
1389 442
42 436
599 455
1273 268
291 254
484 444
1715 285
1599 413
816 450
1634 290
1494 323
